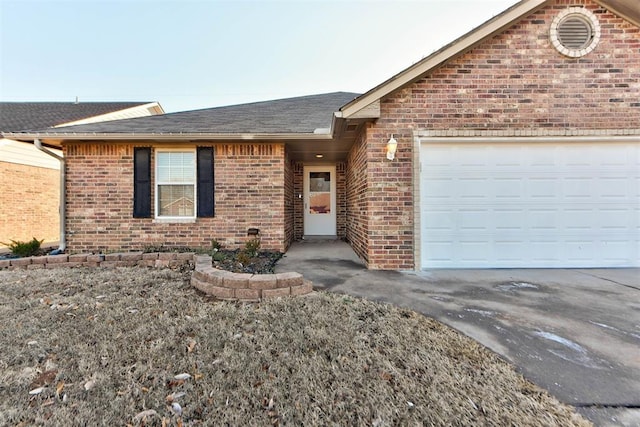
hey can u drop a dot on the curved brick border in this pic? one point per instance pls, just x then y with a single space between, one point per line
218 283
246 287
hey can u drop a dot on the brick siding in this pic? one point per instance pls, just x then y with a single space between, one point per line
289 202
249 192
298 205
516 80
341 199
29 203
356 224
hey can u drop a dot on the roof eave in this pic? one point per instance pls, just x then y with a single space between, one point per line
622 9
169 136
446 53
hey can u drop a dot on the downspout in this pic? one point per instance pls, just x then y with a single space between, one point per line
63 198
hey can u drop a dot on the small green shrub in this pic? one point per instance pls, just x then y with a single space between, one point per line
24 249
215 245
243 258
219 256
252 247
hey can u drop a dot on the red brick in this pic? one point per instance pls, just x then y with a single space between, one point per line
247 294
78 258
263 281
286 280
39 260
131 256
18 262
112 257
305 288
109 264
236 280
53 259
186 256
150 256
63 265
146 263
276 293
209 289
236 167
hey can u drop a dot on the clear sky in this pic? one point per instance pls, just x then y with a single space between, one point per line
190 54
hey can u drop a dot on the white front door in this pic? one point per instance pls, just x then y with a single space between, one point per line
319 200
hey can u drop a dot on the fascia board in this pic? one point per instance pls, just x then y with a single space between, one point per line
165 136
623 9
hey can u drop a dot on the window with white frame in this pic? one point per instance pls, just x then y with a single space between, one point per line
175 184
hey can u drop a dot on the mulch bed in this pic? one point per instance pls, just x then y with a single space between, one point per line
263 262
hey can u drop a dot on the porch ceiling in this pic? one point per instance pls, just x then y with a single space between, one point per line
332 150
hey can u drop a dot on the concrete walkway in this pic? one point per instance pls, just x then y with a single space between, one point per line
573 332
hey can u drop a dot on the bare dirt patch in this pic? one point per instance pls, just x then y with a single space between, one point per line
142 347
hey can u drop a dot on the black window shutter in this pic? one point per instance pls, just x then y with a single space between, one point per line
142 182
205 182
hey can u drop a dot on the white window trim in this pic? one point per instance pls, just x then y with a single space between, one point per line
157 183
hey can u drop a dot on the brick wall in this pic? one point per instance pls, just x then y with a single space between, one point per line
289 202
341 199
249 192
516 80
357 223
519 81
298 206
29 203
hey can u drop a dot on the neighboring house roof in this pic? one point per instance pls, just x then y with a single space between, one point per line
26 116
300 115
367 105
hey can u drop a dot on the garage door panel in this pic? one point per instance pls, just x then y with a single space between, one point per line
530 205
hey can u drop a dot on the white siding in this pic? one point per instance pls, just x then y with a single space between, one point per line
27 154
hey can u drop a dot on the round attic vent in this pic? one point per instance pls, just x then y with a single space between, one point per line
575 32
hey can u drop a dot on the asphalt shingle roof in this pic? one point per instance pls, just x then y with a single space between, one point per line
302 114
24 116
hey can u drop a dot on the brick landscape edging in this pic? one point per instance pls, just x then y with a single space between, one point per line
225 285
221 284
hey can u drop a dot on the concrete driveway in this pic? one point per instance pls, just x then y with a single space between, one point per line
573 332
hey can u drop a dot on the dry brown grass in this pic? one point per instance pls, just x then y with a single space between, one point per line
105 346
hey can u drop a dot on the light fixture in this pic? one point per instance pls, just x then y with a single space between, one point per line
392 146
319 156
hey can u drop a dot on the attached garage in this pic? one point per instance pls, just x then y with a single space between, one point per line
515 203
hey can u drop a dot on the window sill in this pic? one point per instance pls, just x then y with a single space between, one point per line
174 221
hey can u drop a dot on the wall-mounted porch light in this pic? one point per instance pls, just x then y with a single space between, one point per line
392 146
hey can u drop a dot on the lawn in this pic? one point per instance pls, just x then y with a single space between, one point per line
133 346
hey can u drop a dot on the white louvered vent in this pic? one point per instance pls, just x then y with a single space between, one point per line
575 32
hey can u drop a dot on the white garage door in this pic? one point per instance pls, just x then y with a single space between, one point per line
530 205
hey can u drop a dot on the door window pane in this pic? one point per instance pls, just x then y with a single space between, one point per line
319 193
319 181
